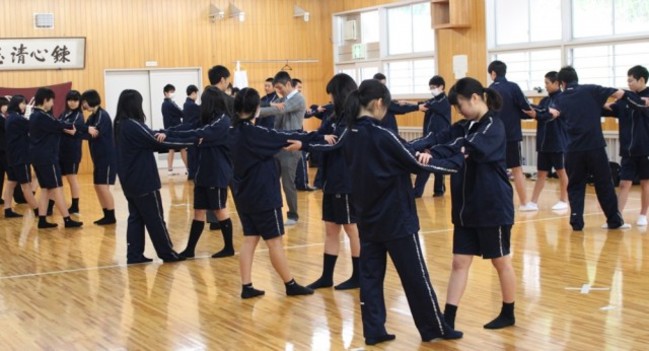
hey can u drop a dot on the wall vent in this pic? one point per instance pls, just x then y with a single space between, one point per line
44 20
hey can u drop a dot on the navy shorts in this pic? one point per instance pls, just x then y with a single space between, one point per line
548 160
104 175
69 167
337 208
634 166
49 176
209 198
22 174
489 242
268 224
513 154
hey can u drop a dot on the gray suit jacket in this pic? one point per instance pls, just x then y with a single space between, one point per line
292 118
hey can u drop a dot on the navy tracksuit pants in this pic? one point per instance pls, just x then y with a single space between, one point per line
579 164
420 183
146 211
302 173
407 257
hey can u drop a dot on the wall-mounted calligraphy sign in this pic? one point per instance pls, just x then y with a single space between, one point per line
42 53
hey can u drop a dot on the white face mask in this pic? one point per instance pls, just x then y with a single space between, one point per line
435 91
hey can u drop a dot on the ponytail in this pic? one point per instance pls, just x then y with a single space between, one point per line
246 102
494 100
352 107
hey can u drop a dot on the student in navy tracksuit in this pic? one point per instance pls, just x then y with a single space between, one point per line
44 139
437 118
382 195
213 171
256 190
271 97
511 113
102 152
191 117
4 105
70 152
634 134
551 142
172 116
18 166
138 174
337 210
580 107
390 121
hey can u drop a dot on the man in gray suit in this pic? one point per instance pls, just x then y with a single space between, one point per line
289 116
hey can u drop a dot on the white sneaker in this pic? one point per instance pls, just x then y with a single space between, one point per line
642 221
560 206
529 207
290 222
623 226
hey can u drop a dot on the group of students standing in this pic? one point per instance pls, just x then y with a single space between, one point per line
366 169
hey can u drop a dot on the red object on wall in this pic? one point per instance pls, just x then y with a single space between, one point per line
60 90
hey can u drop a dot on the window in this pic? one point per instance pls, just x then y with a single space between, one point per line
410 30
409 77
370 27
596 18
607 65
528 68
525 21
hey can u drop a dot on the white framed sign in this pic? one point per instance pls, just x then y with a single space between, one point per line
42 53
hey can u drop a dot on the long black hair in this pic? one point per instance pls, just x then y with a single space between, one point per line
246 103
129 106
340 86
4 102
213 104
14 104
72 95
468 86
370 89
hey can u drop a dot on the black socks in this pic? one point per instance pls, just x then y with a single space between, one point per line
9 213
70 223
326 280
50 207
226 230
109 217
354 281
44 224
505 318
379 339
194 234
247 291
74 208
295 289
449 315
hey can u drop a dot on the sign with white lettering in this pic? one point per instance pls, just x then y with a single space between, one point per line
42 53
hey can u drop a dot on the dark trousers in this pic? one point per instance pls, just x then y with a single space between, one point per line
579 164
192 162
3 170
407 257
422 178
146 212
302 173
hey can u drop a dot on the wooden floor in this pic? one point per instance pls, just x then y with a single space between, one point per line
70 289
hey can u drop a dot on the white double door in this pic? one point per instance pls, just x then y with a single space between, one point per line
150 83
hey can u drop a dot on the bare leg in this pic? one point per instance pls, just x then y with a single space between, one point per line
519 183
170 160
563 184
245 258
623 193
541 176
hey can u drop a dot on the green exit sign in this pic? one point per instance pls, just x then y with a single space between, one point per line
359 51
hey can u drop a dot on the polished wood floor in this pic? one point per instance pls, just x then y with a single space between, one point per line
70 289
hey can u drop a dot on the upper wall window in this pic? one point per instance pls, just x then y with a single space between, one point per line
410 30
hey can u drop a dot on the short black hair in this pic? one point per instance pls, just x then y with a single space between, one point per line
73 95
552 76
568 75
638 72
168 88
296 81
269 80
246 103
4 101
499 67
91 97
217 73
191 89
379 76
437 81
14 103
282 77
42 95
